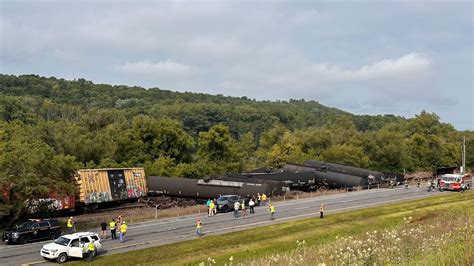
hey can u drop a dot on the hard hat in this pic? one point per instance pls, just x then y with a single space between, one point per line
70 217
123 222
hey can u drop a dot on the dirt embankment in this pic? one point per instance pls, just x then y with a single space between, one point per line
419 176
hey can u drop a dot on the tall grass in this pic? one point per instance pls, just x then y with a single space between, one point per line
423 240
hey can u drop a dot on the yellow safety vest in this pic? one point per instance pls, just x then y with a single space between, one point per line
199 225
112 225
243 206
272 209
69 223
211 205
91 246
264 197
123 228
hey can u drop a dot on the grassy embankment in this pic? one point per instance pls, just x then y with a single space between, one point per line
422 228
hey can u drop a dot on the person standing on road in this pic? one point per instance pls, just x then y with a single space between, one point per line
70 225
244 210
215 206
112 226
264 199
103 229
321 211
259 199
236 209
208 204
91 250
271 209
211 208
123 231
198 227
252 205
120 219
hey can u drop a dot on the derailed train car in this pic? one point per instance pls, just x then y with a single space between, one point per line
293 178
318 174
345 169
210 188
111 184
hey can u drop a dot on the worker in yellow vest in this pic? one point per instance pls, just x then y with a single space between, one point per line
198 227
271 209
70 225
321 211
123 230
90 250
264 199
113 226
211 208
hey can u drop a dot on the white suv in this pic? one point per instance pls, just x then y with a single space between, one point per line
73 245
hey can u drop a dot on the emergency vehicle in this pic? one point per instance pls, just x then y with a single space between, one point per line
456 182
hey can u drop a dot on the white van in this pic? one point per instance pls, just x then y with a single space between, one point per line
72 245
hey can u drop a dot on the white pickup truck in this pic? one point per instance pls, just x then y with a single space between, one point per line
72 245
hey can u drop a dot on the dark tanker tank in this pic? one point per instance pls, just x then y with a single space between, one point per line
345 169
210 188
292 177
315 174
328 179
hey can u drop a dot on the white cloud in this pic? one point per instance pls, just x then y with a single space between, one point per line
407 66
161 68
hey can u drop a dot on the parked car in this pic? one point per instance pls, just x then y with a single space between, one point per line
70 246
33 230
225 203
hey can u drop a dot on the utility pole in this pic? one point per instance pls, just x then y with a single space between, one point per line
464 155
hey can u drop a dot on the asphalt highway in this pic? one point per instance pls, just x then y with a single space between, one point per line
170 230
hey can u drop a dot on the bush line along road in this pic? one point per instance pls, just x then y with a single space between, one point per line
155 233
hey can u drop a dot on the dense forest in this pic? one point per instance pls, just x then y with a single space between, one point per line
51 127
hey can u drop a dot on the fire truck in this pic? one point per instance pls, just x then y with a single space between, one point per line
455 182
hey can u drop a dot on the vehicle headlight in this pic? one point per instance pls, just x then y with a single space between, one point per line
54 250
15 235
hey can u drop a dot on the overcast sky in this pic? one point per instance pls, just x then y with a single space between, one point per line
365 57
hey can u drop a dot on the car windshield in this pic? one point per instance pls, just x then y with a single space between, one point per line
62 241
222 198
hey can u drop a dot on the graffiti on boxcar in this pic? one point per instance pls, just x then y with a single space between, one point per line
48 203
91 178
135 186
97 197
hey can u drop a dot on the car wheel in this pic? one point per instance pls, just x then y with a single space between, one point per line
61 258
225 209
24 240
52 236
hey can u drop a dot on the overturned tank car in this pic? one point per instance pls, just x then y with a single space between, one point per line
314 174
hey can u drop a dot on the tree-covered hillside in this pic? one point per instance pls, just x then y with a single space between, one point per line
50 127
